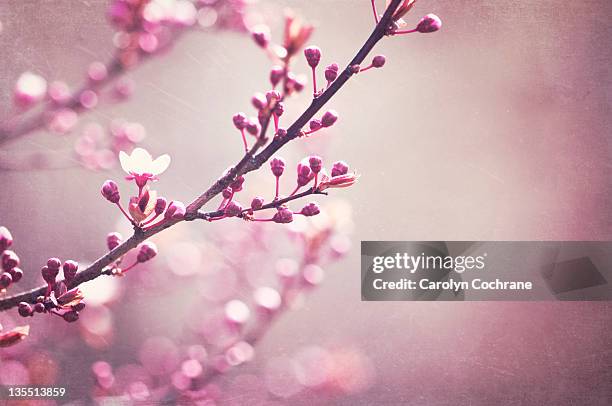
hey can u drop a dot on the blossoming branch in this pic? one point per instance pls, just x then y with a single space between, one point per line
150 214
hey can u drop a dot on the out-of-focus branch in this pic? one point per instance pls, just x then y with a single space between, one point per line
248 163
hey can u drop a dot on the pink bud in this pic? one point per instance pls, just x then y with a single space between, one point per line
24 309
331 72
299 83
261 35
257 203
283 216
227 193
278 166
272 96
54 263
354 68
6 239
236 185
71 316
113 240
279 109
175 211
304 174
10 260
281 132
276 74
379 61
233 209
339 168
5 280
311 209
258 101
313 56
110 191
429 23
160 205
39 308
58 92
253 128
240 120
49 274
329 118
147 251
70 269
16 273
315 124
316 163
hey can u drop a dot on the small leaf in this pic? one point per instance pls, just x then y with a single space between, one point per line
14 336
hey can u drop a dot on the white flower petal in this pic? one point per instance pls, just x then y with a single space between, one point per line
141 161
125 161
160 164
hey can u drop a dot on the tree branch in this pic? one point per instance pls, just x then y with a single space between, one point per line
248 163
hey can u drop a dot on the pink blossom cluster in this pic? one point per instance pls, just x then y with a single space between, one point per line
9 261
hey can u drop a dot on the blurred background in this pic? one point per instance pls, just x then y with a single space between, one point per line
495 128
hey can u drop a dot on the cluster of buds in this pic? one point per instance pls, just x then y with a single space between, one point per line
309 170
58 299
11 273
146 207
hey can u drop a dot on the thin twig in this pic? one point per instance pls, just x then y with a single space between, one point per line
272 205
248 163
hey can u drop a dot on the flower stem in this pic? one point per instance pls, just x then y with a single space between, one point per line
374 11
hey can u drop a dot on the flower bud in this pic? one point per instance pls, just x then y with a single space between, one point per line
5 280
113 240
339 168
315 124
331 72
272 96
329 118
316 163
261 35
70 269
147 251
49 274
276 74
24 309
279 109
379 61
110 191
10 260
304 174
354 68
54 263
71 316
257 203
79 306
233 209
227 193
16 274
39 308
160 205
283 216
237 184
253 128
240 120
311 209
429 23
281 132
313 56
258 101
278 166
6 239
175 211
